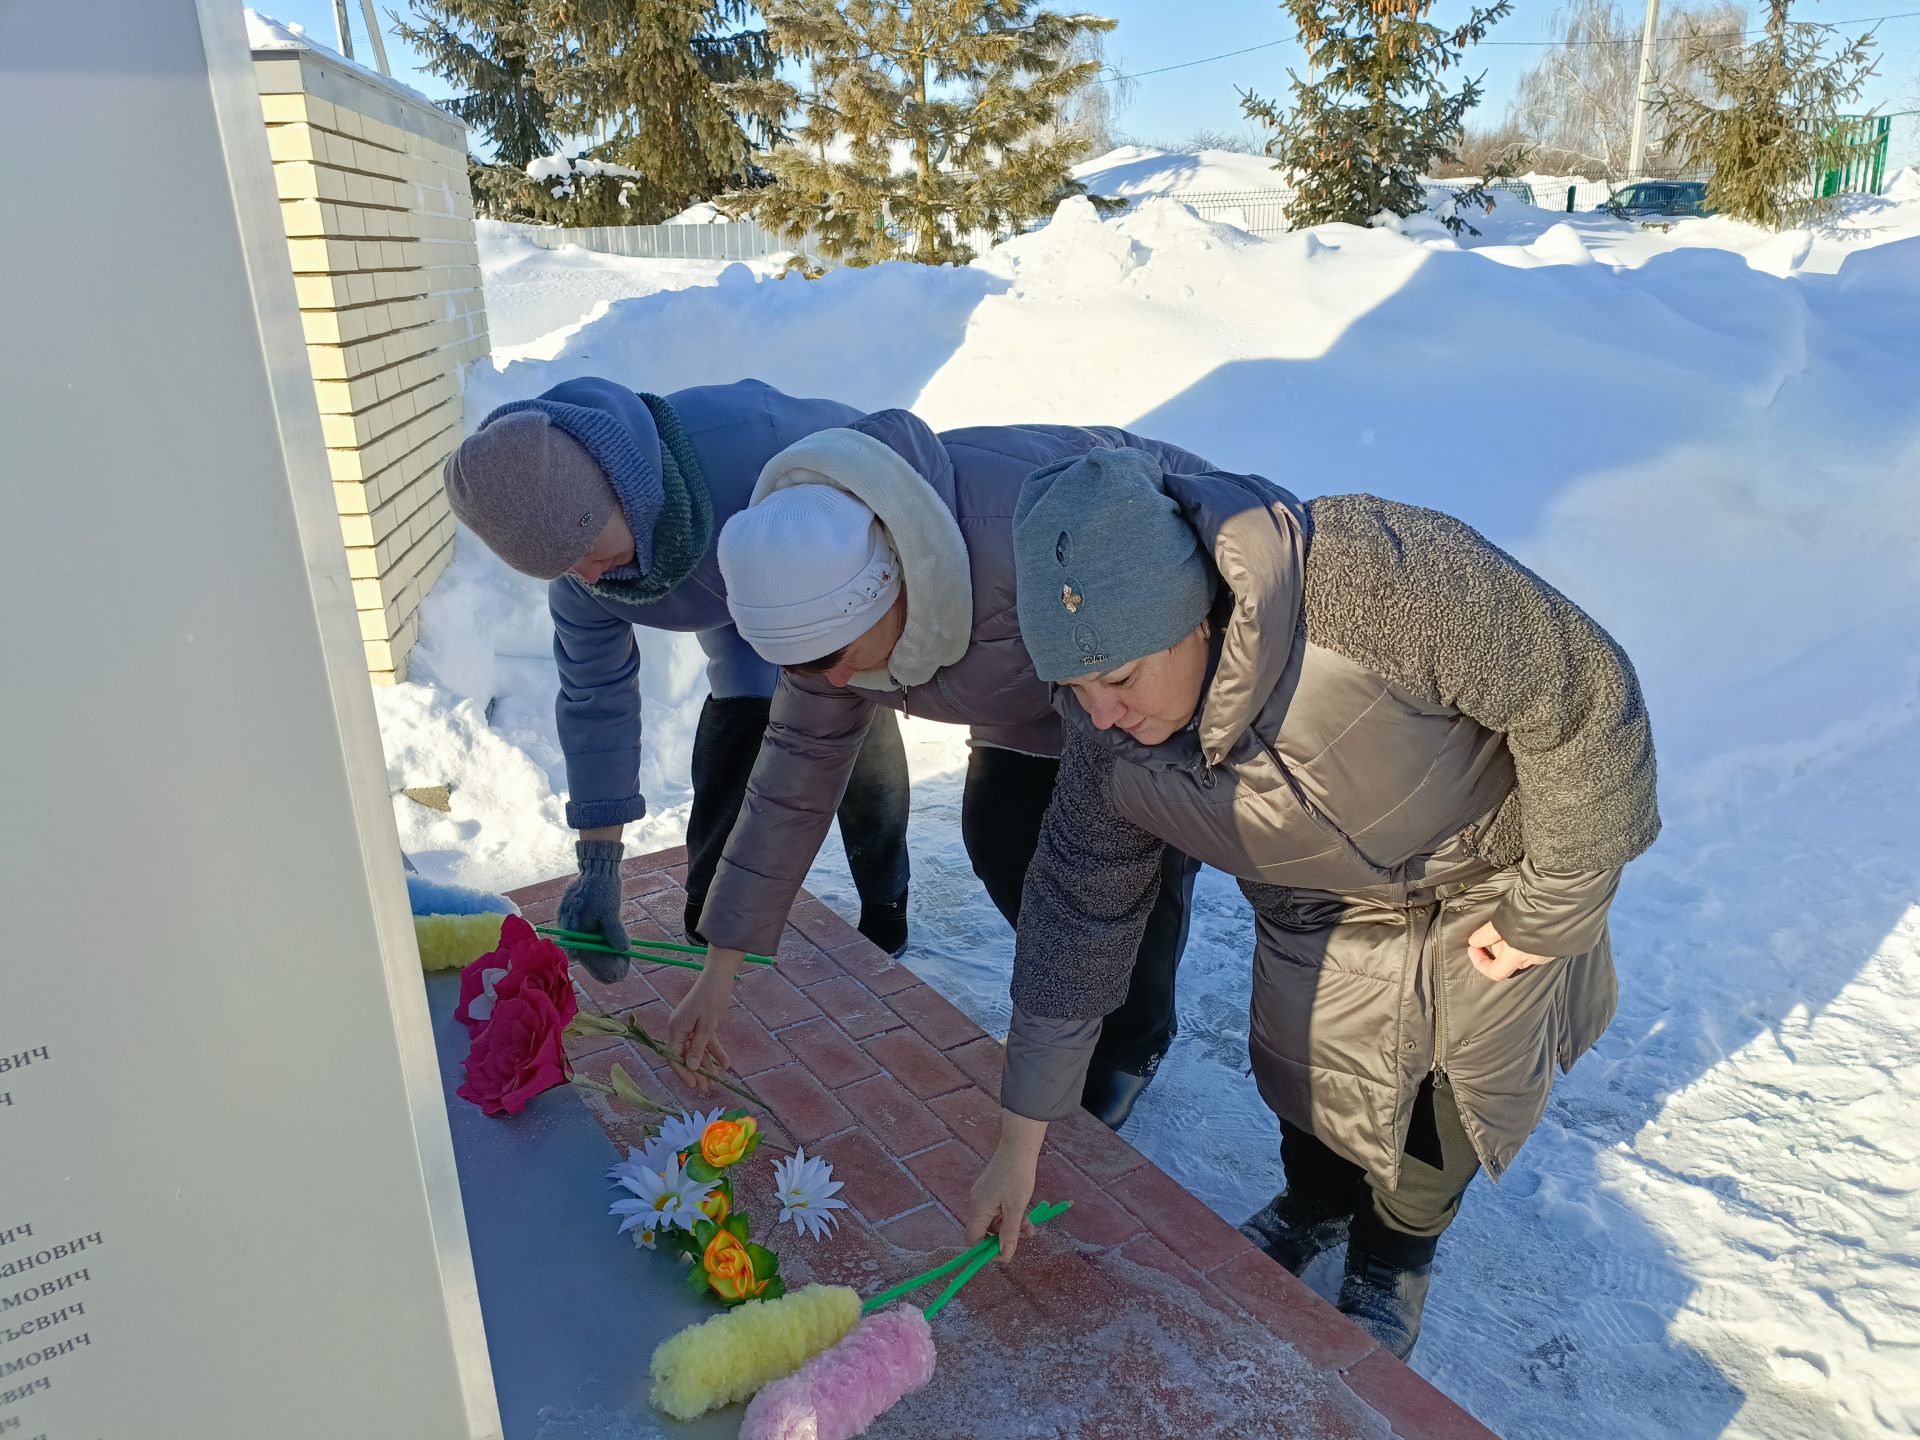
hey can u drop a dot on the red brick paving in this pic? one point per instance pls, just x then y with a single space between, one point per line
936 1018
876 1186
853 1007
873 967
878 1072
891 1113
914 1063
774 998
806 1111
1190 1229
828 1053
972 1116
1410 1404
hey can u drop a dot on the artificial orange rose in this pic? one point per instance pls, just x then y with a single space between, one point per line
730 1268
716 1207
727 1142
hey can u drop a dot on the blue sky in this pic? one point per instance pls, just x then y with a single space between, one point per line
1171 106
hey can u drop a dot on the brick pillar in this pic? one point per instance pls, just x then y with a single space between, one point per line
379 218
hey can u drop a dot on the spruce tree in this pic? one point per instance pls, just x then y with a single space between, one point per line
484 48
1772 127
919 121
1376 115
646 79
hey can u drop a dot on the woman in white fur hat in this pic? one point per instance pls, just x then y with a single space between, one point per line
875 565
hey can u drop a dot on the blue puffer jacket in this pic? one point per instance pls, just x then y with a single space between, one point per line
734 429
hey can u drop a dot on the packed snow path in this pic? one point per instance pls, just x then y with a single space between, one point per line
1711 438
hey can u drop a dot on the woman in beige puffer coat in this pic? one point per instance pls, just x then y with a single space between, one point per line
1425 766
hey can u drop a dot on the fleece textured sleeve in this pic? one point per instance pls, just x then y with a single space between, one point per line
813 737
1424 600
597 709
1092 882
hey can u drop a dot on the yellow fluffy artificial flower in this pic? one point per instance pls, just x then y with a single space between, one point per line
731 1356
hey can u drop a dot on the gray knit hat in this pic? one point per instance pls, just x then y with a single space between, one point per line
1108 570
531 492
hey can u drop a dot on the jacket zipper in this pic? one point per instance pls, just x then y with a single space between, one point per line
1437 944
940 684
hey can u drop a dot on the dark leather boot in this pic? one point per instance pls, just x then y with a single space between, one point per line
886 925
1385 1299
1110 1093
1292 1234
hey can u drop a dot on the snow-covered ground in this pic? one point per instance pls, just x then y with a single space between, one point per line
537 298
1136 171
1711 438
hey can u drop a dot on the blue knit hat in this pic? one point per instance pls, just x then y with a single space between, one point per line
1108 569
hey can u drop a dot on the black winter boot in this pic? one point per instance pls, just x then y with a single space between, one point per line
1294 1235
886 925
1385 1299
1110 1092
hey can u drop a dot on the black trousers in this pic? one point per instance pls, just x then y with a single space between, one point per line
1000 812
1402 1226
873 812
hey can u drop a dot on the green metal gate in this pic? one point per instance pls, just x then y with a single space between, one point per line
1857 151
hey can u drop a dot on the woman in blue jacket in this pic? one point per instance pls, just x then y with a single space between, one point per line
613 498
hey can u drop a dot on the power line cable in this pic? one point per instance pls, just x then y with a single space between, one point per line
1707 34
1537 44
1189 64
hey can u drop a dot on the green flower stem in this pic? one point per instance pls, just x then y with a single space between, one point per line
978 1263
589 940
585 1024
648 959
970 1259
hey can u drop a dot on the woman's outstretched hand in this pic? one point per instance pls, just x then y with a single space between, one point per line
1004 1191
693 1030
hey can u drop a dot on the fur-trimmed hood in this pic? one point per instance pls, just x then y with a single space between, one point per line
920 523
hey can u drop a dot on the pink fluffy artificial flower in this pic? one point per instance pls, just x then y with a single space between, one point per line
840 1392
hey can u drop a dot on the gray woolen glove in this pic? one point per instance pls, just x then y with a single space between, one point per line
592 906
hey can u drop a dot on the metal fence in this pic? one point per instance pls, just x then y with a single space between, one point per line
1261 212
1264 212
1903 141
740 240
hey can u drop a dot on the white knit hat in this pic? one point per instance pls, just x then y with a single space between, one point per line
808 570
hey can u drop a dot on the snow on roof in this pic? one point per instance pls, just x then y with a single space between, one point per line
266 33
1134 172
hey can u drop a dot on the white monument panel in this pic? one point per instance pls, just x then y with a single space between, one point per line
228 1204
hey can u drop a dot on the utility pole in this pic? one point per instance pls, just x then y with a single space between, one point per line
374 39
1643 93
342 31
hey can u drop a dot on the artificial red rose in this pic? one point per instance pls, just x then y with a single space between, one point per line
521 961
517 1054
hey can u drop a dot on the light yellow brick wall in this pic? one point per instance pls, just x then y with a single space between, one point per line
379 219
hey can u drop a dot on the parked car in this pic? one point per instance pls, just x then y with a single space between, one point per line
1658 197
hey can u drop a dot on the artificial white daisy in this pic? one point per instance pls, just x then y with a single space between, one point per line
805 1189
683 1131
656 1155
663 1199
